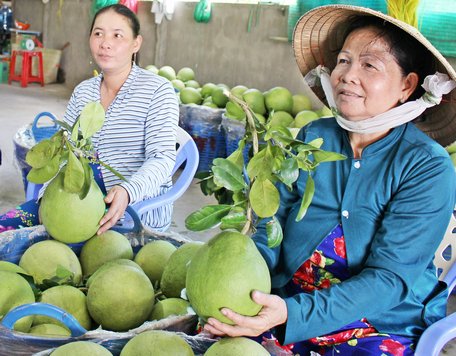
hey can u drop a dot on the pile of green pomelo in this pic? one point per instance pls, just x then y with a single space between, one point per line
107 286
276 106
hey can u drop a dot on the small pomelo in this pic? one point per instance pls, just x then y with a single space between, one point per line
49 330
192 84
79 348
236 346
152 258
185 74
120 298
238 91
68 298
110 245
325 112
11 267
206 89
223 273
278 99
301 102
163 343
66 217
304 117
15 291
167 72
255 100
152 68
175 271
178 84
218 97
43 259
170 306
190 95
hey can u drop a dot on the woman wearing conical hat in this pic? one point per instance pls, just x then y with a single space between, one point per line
355 275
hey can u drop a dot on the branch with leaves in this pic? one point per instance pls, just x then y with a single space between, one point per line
276 157
70 149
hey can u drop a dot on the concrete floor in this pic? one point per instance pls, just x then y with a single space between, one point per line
19 106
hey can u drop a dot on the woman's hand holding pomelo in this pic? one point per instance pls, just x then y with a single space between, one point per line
273 313
118 199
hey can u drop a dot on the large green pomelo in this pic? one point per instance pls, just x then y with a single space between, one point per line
68 218
170 306
42 259
206 90
120 261
223 273
280 118
68 298
304 117
153 257
175 271
278 99
238 91
11 267
236 346
15 291
120 298
50 330
157 343
99 249
255 100
80 348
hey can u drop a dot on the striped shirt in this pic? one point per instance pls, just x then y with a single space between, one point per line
138 137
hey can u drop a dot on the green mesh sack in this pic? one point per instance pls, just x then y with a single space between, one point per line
298 9
436 21
99 4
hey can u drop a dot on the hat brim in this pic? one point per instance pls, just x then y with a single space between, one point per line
318 36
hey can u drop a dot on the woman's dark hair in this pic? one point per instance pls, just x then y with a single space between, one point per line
121 10
410 54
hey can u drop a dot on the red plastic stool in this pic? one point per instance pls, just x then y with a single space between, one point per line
26 76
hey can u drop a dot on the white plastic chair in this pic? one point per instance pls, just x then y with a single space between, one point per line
440 333
187 157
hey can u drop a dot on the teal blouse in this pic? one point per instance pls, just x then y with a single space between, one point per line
394 204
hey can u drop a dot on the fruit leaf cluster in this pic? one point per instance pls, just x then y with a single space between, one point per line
70 150
249 188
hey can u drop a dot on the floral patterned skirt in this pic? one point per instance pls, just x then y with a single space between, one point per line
26 214
327 266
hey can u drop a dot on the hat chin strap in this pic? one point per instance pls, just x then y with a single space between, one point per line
435 86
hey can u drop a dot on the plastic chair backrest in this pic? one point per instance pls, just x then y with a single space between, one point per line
445 256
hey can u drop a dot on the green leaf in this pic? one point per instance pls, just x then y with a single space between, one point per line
261 165
40 154
281 134
237 156
88 176
236 219
206 217
327 156
228 175
64 124
91 119
307 198
317 143
289 172
113 171
75 131
44 174
274 232
264 198
74 175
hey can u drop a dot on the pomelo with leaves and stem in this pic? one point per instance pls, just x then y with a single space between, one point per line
225 271
72 205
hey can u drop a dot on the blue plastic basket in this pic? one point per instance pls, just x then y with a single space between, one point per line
45 131
204 125
234 131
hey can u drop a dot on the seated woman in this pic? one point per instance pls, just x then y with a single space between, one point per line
355 276
138 137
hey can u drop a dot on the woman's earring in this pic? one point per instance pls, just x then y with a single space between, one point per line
402 101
